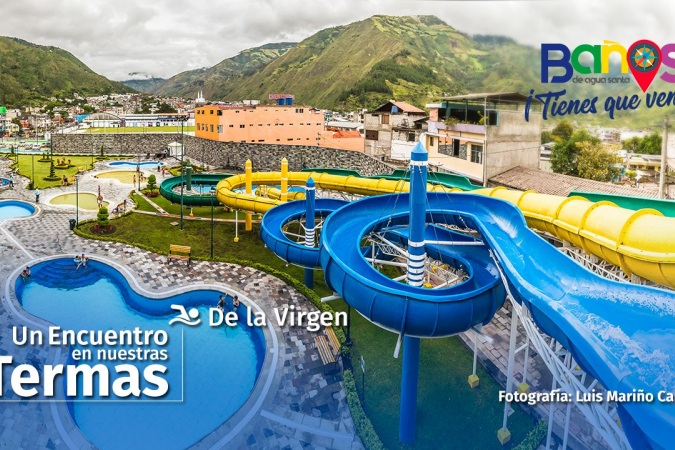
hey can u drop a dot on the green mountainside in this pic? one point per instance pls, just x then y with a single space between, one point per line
365 63
30 73
214 81
146 85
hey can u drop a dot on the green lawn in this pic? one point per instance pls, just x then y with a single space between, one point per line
198 211
115 130
30 164
450 414
158 234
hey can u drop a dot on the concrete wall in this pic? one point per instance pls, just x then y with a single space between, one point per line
513 142
224 155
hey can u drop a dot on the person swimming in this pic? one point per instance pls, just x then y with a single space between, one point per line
25 273
81 260
235 302
221 303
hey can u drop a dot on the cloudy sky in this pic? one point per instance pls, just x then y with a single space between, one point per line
162 38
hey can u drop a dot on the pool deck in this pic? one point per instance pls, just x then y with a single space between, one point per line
304 408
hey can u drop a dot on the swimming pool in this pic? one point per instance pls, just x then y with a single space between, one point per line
83 200
221 365
10 209
130 163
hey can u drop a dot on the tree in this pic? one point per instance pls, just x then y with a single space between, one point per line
152 183
631 145
102 219
562 132
631 174
546 137
595 162
650 144
564 154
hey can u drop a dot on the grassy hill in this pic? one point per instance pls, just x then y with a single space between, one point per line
215 81
365 63
30 73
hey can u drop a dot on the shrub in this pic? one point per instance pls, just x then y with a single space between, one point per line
152 184
534 437
102 218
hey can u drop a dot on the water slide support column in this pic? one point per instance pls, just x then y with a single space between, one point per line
310 191
415 277
503 434
284 179
248 173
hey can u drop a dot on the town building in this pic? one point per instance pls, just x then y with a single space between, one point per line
268 124
392 129
482 135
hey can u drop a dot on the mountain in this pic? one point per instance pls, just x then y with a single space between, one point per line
31 73
414 58
146 85
215 81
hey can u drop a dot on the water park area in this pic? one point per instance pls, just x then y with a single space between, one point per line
475 316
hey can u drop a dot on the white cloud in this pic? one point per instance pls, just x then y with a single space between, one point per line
165 37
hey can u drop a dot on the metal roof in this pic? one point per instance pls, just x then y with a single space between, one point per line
494 97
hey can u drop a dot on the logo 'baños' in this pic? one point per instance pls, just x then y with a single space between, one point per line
643 59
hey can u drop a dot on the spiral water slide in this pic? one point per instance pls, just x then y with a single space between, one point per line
619 333
641 242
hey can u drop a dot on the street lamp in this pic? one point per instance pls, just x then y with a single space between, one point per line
138 171
213 194
32 163
182 170
77 202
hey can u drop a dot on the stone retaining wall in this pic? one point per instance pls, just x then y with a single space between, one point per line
224 155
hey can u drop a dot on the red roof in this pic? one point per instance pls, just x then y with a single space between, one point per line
340 134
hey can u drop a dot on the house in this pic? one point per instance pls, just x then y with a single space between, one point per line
482 135
392 130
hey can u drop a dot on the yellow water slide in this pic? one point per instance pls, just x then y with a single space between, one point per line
640 242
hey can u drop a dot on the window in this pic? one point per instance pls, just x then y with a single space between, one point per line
289 139
431 141
371 135
299 110
250 124
278 140
455 148
384 119
211 128
261 140
231 126
242 126
260 124
220 113
476 153
411 137
237 112
220 128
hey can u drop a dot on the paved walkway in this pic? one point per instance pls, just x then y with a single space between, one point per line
304 407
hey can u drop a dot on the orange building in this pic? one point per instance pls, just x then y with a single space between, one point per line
265 124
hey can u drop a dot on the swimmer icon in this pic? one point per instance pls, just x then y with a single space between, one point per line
190 317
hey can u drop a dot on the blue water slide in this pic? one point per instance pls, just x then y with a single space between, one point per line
274 238
620 333
413 311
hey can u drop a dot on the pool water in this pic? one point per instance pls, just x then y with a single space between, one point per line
124 176
220 364
84 200
12 209
130 163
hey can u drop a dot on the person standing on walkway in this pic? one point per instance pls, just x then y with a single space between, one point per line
11 180
37 195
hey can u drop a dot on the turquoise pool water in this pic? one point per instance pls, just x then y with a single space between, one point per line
13 208
213 375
